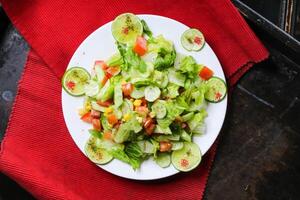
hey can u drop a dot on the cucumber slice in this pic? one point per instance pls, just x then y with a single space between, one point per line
152 93
177 146
96 154
187 158
91 89
126 28
74 81
216 90
185 136
159 109
97 107
163 160
138 93
192 40
106 92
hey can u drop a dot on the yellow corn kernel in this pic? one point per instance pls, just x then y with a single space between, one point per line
82 111
108 110
137 102
132 100
123 82
127 117
88 107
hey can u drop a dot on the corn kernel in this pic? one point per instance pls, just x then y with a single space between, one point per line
123 82
108 110
132 100
127 117
81 111
88 107
137 102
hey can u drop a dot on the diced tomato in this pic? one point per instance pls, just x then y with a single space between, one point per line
112 119
150 129
140 46
105 103
104 80
107 135
113 70
144 102
87 117
165 146
96 124
100 63
127 88
206 73
95 114
142 110
148 121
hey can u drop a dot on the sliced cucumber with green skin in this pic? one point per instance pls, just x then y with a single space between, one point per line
192 40
159 109
96 154
126 28
74 81
177 146
216 90
97 107
152 93
163 160
91 89
187 158
138 93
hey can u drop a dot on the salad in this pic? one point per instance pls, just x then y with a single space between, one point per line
147 100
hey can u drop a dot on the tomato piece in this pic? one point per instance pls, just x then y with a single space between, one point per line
105 103
206 73
96 124
150 129
100 63
87 117
165 146
147 122
104 80
107 135
95 114
113 70
142 110
127 88
144 102
140 46
112 119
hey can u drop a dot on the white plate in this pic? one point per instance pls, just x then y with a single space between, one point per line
100 45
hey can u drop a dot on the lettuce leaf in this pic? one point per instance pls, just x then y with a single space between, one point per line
189 66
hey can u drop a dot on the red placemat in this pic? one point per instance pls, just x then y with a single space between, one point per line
38 151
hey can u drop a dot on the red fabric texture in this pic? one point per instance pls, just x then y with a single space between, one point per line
38 151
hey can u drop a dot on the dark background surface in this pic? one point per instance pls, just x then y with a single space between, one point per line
258 154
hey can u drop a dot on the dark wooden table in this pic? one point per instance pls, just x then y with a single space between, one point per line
258 154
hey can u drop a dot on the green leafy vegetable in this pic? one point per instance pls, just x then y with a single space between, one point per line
146 29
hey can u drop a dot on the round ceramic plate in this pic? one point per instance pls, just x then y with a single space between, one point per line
100 45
